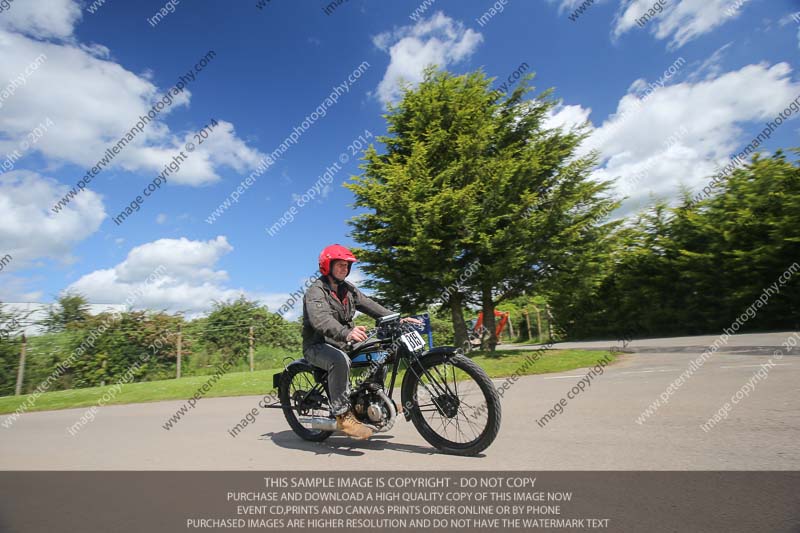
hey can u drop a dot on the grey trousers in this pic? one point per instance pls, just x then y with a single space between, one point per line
337 364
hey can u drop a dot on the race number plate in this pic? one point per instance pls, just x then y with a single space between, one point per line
413 341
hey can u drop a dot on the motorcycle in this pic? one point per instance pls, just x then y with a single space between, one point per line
450 399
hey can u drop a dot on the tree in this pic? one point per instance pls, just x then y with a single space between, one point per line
471 177
133 346
227 327
71 308
696 267
10 326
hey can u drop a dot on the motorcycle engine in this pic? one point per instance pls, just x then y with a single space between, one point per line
371 408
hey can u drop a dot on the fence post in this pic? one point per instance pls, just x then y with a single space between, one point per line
180 345
251 349
21 371
528 322
539 323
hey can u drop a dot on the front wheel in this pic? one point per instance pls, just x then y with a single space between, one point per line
452 403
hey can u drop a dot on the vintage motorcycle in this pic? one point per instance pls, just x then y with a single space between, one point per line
449 398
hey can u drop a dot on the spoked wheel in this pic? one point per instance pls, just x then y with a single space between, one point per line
300 390
454 405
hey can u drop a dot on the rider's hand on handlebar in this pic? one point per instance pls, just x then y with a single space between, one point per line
357 334
412 320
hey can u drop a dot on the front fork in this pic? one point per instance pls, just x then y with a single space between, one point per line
417 370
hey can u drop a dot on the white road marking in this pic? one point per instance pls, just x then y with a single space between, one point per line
751 366
649 371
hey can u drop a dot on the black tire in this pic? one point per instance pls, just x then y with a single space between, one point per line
492 409
290 379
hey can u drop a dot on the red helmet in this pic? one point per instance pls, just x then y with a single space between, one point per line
332 252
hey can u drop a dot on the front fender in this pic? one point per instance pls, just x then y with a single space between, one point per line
441 350
406 394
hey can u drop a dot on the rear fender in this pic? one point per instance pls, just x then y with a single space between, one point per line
304 364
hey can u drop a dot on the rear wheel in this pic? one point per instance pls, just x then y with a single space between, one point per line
299 389
453 404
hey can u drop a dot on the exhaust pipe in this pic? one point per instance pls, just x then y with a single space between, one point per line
392 412
318 422
329 424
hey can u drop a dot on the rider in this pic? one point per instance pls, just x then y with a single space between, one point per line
329 306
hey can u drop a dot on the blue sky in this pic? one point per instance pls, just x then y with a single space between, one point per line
729 65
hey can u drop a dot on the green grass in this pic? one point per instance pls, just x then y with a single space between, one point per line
499 364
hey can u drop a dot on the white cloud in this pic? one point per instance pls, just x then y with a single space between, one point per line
711 67
567 117
184 258
438 40
789 18
29 230
93 101
190 279
682 132
43 18
681 20
17 289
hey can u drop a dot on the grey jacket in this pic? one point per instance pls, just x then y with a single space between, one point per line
326 319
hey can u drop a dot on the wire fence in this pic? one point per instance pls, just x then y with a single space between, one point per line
95 352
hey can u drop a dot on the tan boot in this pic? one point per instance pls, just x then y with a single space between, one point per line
348 424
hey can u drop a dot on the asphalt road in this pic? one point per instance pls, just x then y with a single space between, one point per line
597 430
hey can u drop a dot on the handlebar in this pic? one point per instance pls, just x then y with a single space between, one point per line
383 329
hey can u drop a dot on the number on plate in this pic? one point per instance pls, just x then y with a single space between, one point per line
413 341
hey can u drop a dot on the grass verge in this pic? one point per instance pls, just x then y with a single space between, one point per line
499 364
